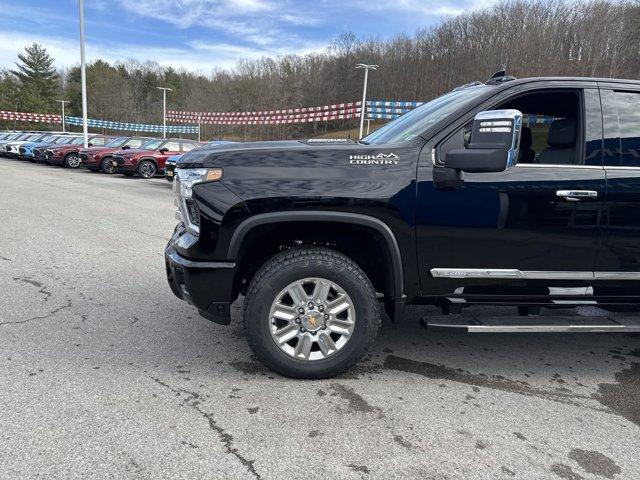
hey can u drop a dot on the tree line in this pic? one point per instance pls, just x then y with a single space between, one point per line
530 38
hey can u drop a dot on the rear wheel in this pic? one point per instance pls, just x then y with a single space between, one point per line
310 313
147 169
72 160
106 166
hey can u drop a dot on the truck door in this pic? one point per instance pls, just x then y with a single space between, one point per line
619 260
531 230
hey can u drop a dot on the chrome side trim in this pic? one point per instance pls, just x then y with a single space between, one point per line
617 275
507 273
530 274
551 328
549 165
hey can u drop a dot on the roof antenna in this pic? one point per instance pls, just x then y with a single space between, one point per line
500 76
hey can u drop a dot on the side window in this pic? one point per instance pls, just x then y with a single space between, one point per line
98 141
172 146
186 146
629 120
135 142
551 130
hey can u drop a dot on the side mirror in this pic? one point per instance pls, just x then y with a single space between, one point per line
89 144
494 143
163 150
126 147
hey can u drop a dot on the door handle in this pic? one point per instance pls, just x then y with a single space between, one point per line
575 195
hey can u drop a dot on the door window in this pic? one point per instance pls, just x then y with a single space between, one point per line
172 146
187 146
550 131
628 105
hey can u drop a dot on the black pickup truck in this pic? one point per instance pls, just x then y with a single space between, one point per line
521 193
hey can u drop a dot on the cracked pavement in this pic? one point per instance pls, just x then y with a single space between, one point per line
105 374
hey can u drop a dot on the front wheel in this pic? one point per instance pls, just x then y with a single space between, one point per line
147 169
310 313
72 160
106 166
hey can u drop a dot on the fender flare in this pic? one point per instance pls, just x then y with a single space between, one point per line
324 216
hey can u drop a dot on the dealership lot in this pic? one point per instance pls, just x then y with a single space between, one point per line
105 374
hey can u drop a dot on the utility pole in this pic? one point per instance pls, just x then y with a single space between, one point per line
363 106
164 109
62 102
83 76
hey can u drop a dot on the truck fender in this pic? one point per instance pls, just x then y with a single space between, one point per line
323 216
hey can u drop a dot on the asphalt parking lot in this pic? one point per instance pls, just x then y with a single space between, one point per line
105 374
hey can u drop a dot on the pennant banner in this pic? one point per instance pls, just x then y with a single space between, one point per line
93 123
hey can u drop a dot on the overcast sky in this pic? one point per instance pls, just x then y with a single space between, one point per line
203 34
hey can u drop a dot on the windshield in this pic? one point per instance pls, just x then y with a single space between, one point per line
415 122
116 142
152 144
77 141
64 140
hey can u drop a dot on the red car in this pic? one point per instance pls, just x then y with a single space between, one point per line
69 155
150 158
100 159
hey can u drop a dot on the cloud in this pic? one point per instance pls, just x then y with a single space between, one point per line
195 56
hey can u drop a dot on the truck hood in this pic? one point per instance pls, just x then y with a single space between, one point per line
288 153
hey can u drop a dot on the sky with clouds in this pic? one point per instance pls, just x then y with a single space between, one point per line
201 35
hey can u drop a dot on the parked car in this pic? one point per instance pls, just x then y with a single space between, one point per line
39 151
68 155
465 200
11 138
170 164
100 159
12 149
25 150
150 158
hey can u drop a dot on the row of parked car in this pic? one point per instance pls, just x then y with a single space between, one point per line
145 157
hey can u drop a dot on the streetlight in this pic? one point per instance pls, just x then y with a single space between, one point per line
83 76
62 102
363 107
164 109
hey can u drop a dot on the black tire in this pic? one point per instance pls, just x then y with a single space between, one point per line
147 169
106 166
293 265
72 160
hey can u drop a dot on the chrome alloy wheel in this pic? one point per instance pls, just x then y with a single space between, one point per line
147 170
312 319
73 161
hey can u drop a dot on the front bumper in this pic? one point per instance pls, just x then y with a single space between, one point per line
208 286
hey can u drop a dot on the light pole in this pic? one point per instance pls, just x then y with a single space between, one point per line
363 106
62 102
164 109
83 76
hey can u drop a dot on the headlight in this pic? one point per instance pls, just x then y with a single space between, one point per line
189 177
188 211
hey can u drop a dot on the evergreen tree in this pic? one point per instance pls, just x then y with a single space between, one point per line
38 79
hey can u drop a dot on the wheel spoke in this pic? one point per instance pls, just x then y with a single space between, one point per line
284 312
303 348
297 294
326 344
338 306
321 291
340 326
286 333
